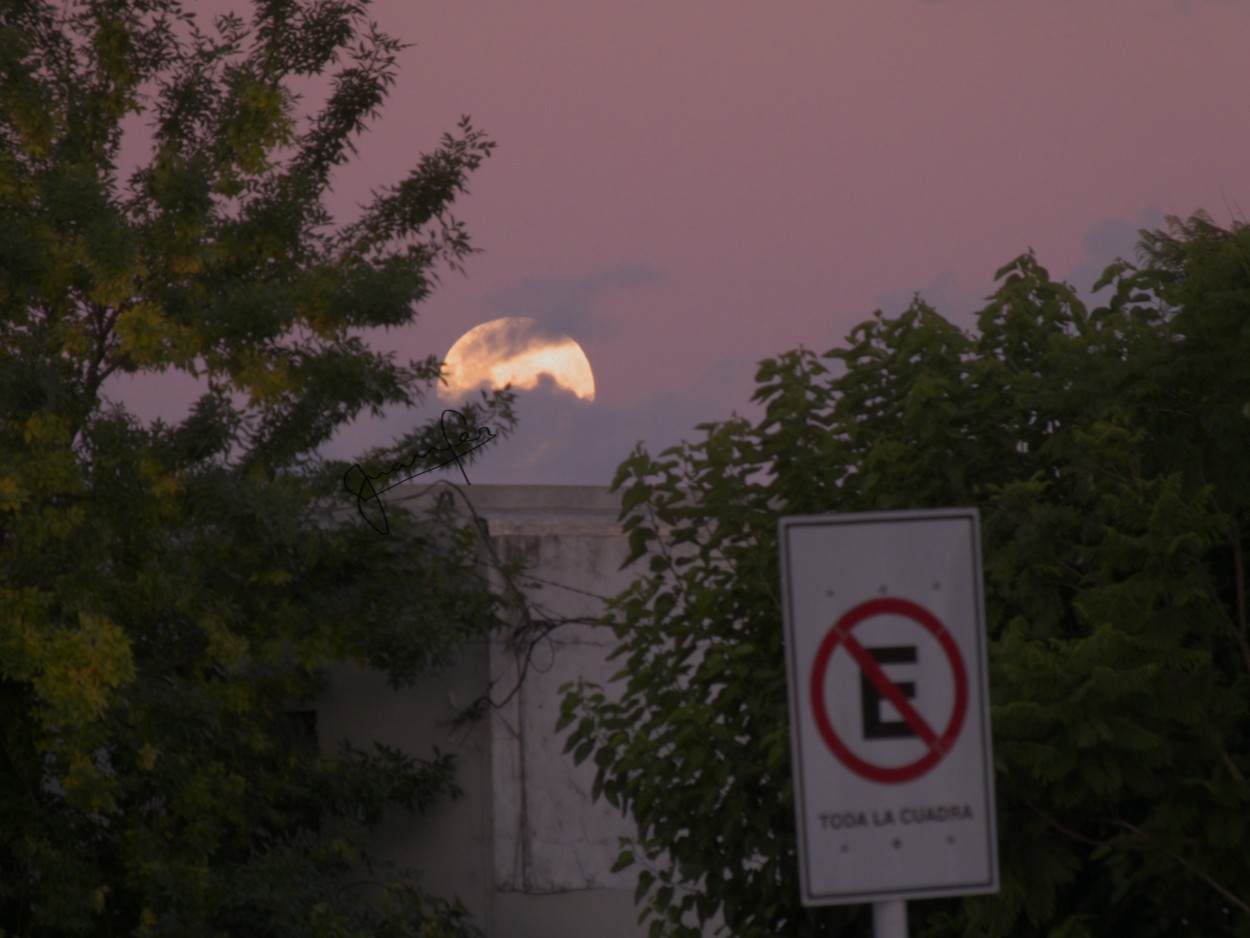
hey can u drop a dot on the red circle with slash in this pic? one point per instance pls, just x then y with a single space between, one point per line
840 636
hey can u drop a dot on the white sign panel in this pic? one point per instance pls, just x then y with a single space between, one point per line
889 718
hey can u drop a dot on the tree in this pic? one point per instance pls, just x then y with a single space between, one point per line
171 593
1107 452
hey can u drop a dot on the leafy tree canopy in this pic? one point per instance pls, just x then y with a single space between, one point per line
1107 450
171 592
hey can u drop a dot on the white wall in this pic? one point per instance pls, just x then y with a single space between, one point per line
524 849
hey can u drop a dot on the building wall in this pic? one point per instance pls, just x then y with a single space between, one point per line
525 848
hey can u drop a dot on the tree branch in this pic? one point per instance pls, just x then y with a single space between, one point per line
1242 633
1239 579
1221 889
1067 831
1231 766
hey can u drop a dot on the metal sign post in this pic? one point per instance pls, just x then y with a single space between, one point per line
889 720
889 919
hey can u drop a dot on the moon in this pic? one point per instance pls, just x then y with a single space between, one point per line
514 351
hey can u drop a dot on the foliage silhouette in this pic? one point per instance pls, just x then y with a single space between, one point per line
171 593
1106 449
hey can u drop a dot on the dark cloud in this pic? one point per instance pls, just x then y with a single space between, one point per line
563 440
957 302
510 336
1107 240
567 305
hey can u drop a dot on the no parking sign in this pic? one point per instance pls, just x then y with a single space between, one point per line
889 722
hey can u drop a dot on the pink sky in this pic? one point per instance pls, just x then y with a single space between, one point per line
686 188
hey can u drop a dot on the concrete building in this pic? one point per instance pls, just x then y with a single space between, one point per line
524 848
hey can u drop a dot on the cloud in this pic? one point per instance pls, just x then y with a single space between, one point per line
505 338
1107 240
957 302
567 305
561 440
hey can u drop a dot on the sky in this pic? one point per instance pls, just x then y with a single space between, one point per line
686 188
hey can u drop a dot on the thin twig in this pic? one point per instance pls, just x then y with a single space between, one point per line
1242 632
1231 766
1066 831
1239 576
1222 890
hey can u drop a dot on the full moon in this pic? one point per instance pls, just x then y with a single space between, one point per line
514 351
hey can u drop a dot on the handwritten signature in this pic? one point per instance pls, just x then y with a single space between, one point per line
360 483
